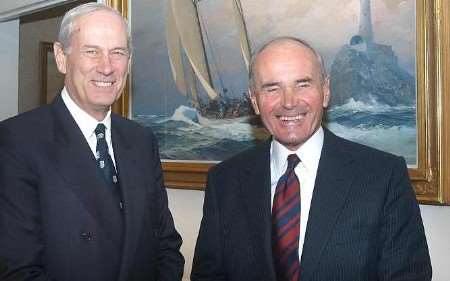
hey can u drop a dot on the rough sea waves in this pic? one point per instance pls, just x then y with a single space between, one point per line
186 136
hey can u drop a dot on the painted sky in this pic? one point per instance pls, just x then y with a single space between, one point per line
326 24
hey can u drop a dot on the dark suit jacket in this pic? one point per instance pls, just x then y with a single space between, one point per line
364 222
57 219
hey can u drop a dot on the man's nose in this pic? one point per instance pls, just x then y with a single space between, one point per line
288 98
105 66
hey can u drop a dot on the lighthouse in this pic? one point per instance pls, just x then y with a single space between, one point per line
365 23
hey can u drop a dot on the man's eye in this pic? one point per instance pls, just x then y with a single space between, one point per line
120 53
303 85
272 89
91 52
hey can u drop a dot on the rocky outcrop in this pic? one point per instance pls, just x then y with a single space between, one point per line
370 74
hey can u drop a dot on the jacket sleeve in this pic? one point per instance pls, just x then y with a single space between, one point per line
404 251
20 224
208 256
170 265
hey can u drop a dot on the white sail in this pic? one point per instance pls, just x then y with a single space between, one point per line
174 51
184 15
239 17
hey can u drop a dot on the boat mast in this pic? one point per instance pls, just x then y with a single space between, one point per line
208 70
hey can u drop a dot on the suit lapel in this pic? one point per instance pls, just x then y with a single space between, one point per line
74 160
255 191
333 181
133 192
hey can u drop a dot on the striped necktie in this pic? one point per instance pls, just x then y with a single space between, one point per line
103 158
105 163
286 224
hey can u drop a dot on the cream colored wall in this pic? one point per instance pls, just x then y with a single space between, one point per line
436 220
186 207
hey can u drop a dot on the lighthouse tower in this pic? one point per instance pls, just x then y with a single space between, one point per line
365 23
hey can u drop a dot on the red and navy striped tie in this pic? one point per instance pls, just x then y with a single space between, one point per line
286 224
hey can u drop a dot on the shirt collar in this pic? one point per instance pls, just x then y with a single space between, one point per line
309 153
85 122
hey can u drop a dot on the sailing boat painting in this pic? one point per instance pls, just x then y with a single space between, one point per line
190 65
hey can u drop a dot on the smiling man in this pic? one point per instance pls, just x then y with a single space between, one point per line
81 188
307 205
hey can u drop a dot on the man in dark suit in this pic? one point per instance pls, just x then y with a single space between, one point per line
81 188
307 205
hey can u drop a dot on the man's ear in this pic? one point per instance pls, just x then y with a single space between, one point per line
60 57
252 96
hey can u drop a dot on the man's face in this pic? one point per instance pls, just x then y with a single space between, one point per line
96 63
288 92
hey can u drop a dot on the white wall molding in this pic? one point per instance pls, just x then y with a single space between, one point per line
13 9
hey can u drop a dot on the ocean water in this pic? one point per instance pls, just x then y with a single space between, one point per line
388 128
185 136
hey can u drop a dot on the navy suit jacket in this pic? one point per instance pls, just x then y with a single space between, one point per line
57 219
364 222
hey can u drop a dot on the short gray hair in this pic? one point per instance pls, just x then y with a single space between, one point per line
251 72
69 21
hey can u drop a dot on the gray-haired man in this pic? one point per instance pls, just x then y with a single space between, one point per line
81 189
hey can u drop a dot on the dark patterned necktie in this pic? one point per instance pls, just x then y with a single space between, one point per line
104 161
286 224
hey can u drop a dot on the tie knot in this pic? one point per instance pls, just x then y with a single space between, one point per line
293 161
100 131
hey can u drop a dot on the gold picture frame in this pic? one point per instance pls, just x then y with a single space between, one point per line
430 178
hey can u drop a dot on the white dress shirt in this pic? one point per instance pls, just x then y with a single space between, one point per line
87 124
306 170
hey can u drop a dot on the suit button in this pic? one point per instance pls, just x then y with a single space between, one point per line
86 236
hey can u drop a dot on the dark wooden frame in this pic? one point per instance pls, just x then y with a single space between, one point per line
45 50
47 74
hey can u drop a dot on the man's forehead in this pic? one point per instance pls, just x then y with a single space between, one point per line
97 18
286 55
286 47
88 26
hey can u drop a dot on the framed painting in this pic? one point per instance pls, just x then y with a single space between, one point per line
51 81
387 60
